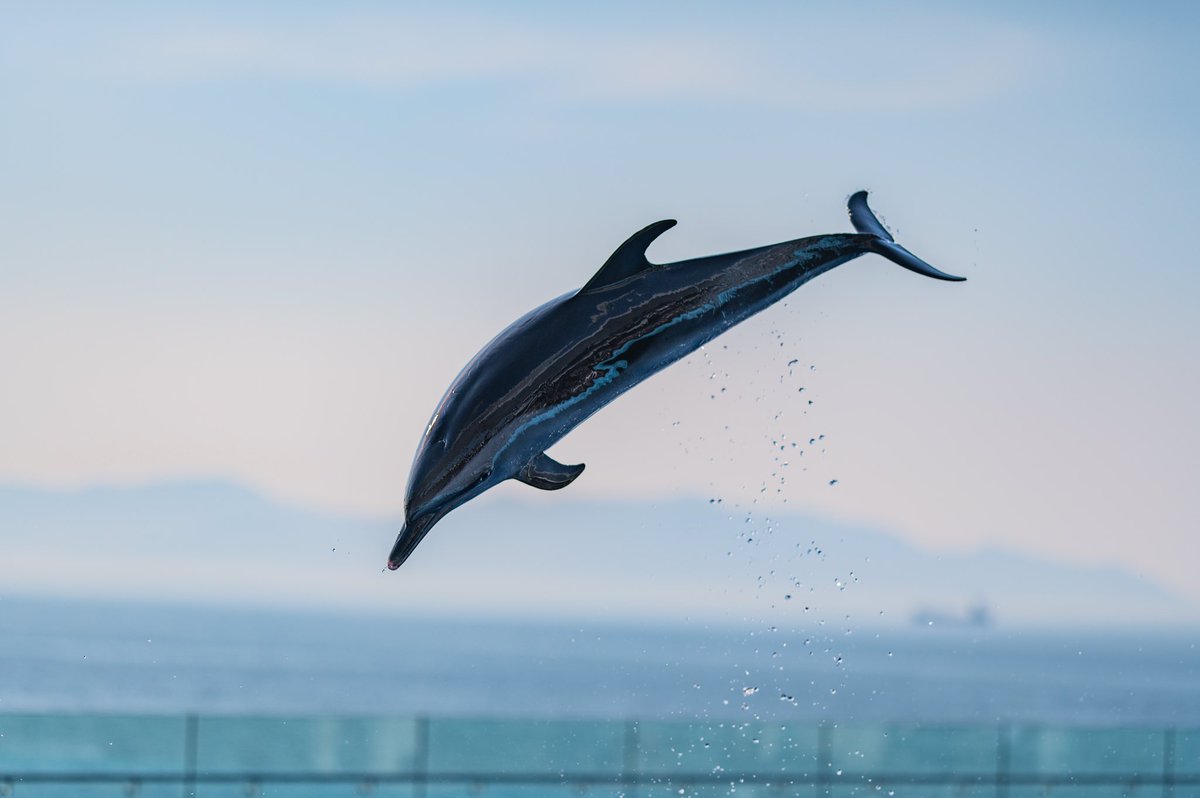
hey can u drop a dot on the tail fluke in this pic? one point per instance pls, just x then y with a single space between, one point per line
864 221
863 218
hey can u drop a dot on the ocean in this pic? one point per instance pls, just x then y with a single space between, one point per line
82 657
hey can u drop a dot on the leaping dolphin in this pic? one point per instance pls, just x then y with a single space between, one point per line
554 367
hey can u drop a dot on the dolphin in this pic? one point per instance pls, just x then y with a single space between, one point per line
558 364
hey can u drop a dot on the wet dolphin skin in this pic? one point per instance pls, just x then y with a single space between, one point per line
560 363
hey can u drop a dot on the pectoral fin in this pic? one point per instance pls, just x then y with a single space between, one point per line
547 474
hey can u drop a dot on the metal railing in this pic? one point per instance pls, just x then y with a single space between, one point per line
637 759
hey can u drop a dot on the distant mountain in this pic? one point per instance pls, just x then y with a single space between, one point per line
219 543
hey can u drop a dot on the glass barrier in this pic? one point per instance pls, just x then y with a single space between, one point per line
82 756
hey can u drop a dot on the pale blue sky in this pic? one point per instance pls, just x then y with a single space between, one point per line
257 243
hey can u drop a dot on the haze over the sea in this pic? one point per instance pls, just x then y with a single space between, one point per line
559 558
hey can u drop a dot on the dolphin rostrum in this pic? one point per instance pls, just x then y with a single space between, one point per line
560 363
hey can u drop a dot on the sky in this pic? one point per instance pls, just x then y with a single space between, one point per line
256 242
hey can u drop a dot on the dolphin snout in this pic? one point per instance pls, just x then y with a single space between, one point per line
410 535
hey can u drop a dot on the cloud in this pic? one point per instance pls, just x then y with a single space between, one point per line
869 64
387 52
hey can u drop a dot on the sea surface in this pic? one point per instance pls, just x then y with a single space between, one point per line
58 656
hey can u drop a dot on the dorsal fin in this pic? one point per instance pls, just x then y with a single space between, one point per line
629 258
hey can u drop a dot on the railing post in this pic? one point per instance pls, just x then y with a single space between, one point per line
1003 759
824 774
630 764
421 757
191 745
1168 765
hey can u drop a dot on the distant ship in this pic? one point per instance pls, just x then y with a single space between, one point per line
977 616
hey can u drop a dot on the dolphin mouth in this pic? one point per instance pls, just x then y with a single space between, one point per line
413 532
